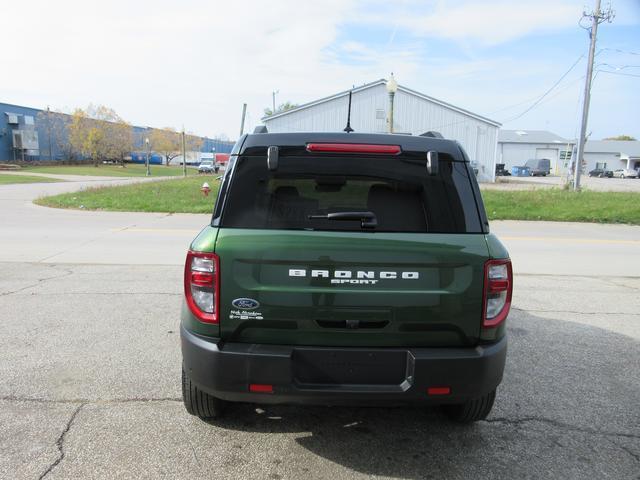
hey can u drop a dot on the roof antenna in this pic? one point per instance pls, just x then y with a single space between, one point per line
348 128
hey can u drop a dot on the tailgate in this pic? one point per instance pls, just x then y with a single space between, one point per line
350 288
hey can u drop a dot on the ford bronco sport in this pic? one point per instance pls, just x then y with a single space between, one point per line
346 269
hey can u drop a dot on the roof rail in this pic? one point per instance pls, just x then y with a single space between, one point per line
431 134
261 129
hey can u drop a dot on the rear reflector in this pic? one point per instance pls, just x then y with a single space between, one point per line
438 390
353 148
260 388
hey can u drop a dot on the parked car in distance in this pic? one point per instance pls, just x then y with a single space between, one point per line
208 166
601 173
625 173
539 166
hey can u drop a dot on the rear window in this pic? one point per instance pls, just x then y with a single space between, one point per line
331 193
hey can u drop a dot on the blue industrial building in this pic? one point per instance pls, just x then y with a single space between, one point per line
30 134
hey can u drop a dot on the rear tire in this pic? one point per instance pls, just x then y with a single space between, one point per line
200 403
472 410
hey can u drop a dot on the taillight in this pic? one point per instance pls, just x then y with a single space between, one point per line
353 148
498 286
202 285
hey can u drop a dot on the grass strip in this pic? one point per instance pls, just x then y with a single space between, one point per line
180 195
109 170
183 196
13 179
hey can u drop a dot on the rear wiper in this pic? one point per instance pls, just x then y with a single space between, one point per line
367 219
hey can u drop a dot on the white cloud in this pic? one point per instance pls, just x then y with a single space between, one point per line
168 63
194 62
488 22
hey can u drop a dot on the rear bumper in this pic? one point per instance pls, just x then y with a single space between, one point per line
226 370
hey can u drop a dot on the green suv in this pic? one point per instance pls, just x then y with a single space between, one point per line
346 269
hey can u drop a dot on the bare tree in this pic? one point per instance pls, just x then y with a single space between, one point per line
55 125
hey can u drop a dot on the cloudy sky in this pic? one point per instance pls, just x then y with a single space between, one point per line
167 63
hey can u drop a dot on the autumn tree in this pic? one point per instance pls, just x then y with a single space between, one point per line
621 137
167 142
193 143
119 140
283 107
100 134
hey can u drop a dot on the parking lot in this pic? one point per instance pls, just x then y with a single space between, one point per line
590 183
90 364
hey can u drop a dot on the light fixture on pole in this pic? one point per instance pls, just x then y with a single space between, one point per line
392 88
146 162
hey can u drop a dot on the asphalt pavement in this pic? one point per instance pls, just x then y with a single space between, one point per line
90 364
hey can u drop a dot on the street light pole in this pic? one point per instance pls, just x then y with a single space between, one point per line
392 88
273 98
146 141
184 155
49 131
244 114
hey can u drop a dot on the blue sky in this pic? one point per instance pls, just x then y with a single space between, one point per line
194 63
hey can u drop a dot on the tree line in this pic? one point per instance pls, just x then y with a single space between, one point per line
97 134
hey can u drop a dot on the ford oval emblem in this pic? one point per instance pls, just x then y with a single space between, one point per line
245 303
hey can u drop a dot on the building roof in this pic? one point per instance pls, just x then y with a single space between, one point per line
530 136
628 147
382 81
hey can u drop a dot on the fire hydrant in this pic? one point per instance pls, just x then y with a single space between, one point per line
205 189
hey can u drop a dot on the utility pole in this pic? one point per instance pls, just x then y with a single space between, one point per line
184 155
244 114
597 16
273 98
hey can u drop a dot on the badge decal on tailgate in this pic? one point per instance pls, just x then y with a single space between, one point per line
245 303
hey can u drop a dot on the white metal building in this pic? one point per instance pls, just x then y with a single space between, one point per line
413 113
612 154
515 147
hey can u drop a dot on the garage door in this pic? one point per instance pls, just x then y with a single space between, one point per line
551 154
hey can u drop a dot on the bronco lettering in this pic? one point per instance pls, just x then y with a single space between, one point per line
363 276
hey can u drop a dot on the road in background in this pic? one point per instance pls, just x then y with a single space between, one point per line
38 234
90 364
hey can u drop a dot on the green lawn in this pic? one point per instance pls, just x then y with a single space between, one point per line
131 170
184 196
562 205
180 195
11 179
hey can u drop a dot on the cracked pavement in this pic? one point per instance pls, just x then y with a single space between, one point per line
90 370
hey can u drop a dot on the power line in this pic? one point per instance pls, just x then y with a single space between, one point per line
547 92
617 50
619 73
